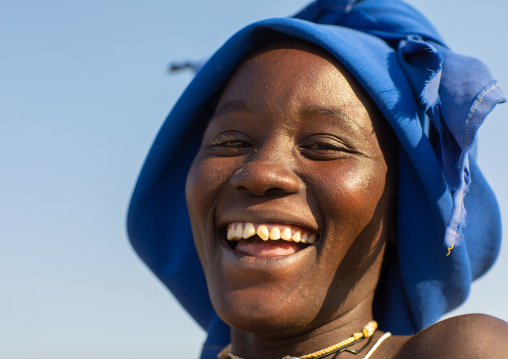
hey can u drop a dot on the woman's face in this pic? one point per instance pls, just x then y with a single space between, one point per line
294 144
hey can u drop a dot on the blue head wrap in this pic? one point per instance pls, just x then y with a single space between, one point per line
434 99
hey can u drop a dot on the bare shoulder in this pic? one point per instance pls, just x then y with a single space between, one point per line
464 336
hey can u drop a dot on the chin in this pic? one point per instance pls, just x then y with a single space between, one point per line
261 318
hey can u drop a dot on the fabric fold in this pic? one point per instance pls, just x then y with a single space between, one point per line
456 93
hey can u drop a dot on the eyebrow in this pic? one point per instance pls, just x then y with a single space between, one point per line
310 110
233 106
335 113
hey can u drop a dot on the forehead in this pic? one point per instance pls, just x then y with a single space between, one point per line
293 77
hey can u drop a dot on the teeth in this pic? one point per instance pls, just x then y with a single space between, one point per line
237 231
312 239
305 238
286 234
249 230
275 233
231 233
262 232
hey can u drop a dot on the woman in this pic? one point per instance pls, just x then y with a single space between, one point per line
334 164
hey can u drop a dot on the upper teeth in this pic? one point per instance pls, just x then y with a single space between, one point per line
239 230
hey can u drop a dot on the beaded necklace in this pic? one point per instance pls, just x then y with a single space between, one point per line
336 349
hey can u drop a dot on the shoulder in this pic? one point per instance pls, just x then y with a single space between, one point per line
465 336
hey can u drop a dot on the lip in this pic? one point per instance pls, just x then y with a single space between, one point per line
234 260
238 259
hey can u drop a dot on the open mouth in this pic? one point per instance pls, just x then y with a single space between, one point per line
268 239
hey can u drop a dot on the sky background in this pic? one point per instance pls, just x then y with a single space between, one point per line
83 90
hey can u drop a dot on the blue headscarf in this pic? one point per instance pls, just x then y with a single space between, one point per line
434 99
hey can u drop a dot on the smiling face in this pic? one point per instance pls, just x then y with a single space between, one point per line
296 151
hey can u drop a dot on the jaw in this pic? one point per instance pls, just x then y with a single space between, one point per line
269 295
255 293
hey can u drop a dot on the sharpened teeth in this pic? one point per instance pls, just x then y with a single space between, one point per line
249 230
243 230
286 234
262 232
239 231
275 233
231 233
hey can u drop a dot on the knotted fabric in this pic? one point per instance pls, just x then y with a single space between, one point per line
434 99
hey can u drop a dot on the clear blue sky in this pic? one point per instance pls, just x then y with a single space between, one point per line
83 91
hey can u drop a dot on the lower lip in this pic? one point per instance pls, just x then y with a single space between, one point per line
272 263
259 248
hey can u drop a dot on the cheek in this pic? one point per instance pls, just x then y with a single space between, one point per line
355 209
352 196
204 180
197 200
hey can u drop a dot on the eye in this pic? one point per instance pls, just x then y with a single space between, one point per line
320 146
324 148
230 143
230 139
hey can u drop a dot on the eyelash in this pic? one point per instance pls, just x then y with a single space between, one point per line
323 146
230 140
319 149
233 144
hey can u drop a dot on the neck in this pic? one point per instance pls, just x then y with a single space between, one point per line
251 346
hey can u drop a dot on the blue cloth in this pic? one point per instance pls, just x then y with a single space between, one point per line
433 98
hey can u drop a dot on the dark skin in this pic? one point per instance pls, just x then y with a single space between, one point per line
296 140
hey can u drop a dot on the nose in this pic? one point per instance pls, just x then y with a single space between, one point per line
264 176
